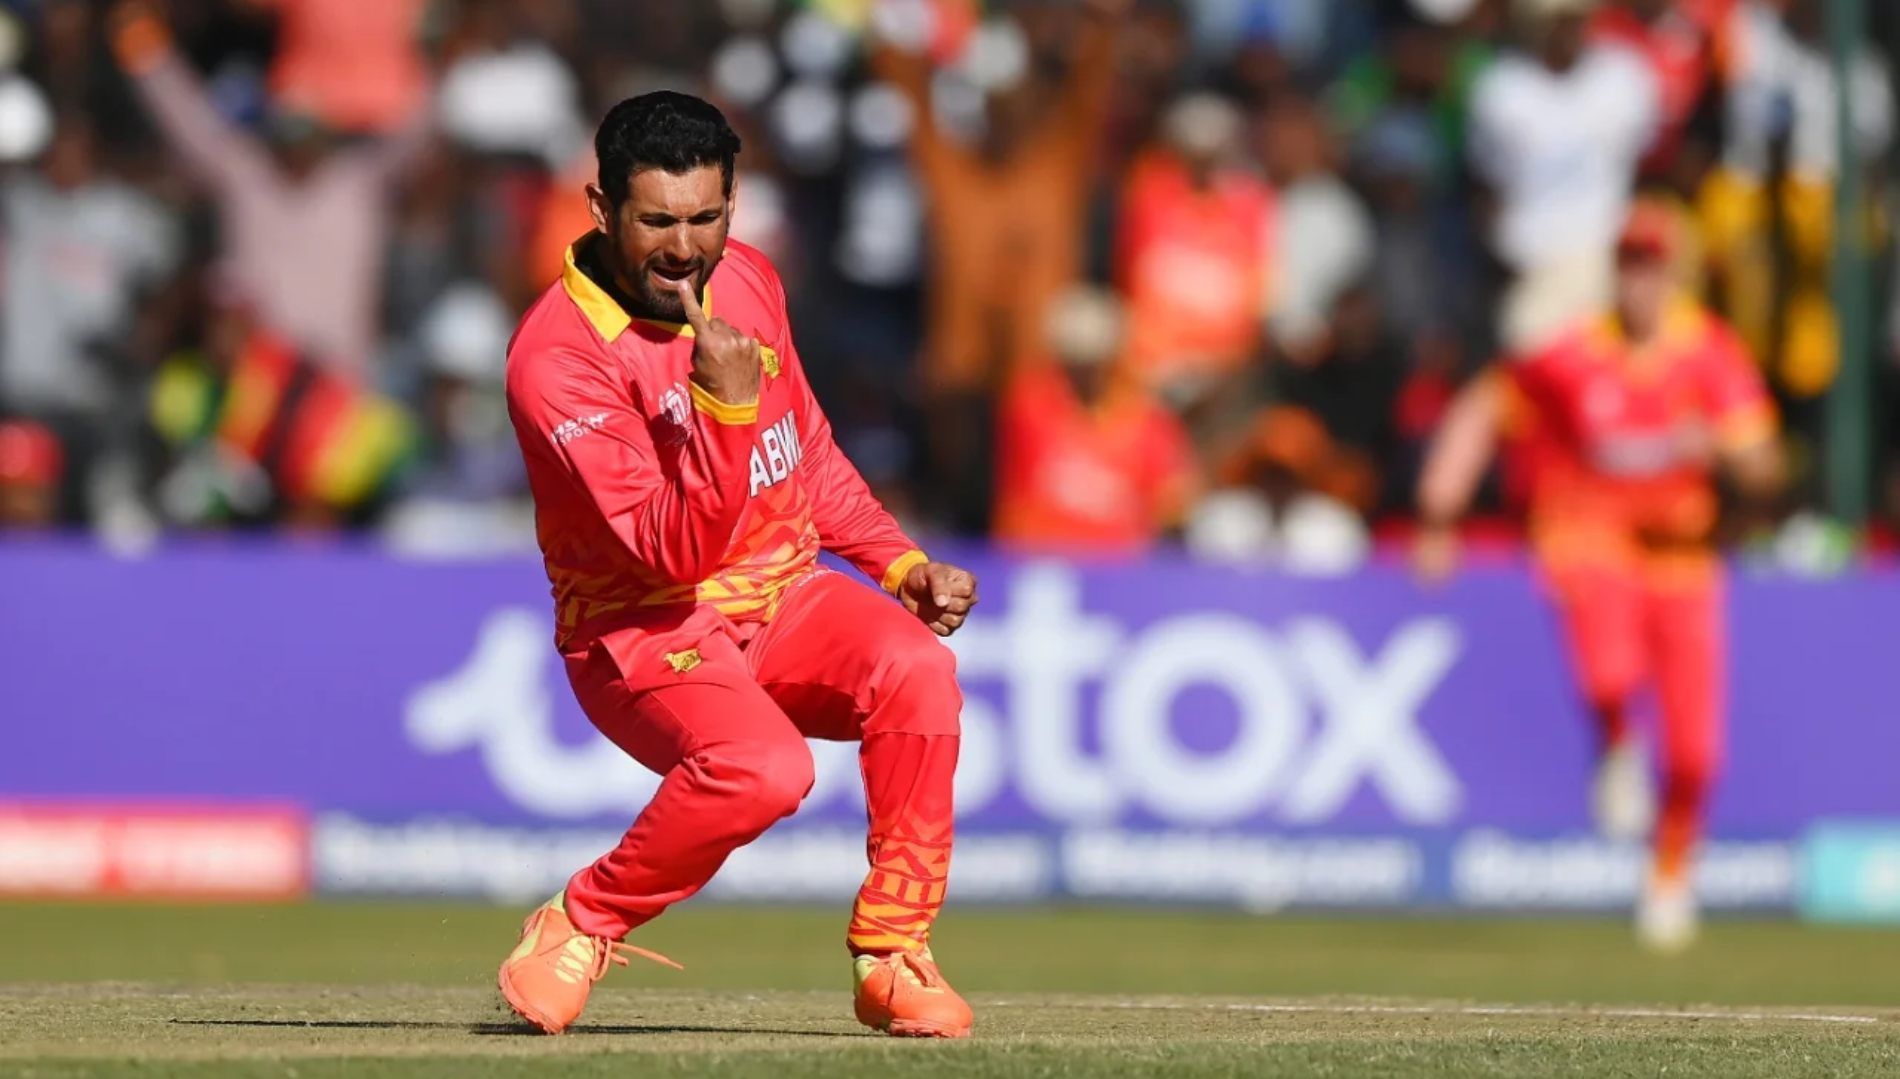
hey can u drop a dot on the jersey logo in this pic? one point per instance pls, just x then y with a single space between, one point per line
768 359
578 427
681 662
676 416
776 453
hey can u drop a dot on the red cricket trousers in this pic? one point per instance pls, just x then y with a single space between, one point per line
721 711
1632 627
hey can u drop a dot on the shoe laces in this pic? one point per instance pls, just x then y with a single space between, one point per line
917 968
616 952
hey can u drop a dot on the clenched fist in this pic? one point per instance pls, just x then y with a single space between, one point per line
1435 554
725 361
940 594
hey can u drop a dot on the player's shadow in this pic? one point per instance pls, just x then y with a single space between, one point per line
511 1029
505 1029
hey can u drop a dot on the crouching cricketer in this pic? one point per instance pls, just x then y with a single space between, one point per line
684 482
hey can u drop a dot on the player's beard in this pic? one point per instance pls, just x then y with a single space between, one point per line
655 296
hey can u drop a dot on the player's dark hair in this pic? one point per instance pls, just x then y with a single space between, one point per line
662 130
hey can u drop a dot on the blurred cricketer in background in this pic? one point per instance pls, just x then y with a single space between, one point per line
684 482
1627 421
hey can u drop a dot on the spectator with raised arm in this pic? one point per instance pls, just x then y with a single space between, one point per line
1006 217
354 66
303 220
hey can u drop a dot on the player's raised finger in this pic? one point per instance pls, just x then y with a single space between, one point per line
695 316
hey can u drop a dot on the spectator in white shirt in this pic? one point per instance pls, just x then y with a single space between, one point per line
1785 84
1323 234
1557 131
81 252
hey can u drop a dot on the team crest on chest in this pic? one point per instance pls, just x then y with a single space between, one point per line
768 359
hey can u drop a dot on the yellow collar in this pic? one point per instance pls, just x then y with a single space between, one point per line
1680 322
606 315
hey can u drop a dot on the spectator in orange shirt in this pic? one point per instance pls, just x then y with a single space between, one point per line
560 218
1194 247
353 66
1088 460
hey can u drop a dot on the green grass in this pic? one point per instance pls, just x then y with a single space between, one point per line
390 989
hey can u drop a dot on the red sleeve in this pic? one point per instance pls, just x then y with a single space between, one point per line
1735 395
850 521
221 154
577 421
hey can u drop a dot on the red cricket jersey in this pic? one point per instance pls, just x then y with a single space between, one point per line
654 498
1105 479
1605 424
1194 267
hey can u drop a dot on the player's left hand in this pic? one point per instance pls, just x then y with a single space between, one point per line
940 594
1435 554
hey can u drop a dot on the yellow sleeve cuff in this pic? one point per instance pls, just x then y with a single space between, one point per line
895 573
731 415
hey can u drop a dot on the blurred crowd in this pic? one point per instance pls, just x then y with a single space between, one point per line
1073 274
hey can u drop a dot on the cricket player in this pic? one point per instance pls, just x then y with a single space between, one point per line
684 482
1629 418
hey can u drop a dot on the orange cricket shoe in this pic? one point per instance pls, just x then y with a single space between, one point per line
904 995
546 979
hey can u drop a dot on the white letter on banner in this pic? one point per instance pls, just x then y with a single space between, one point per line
1182 786
836 779
497 702
1044 649
1371 725
981 758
